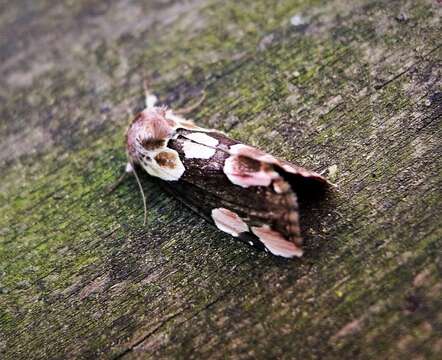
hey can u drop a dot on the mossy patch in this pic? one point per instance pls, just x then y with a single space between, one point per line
80 276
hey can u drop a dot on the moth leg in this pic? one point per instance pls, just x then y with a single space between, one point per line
192 107
129 169
149 98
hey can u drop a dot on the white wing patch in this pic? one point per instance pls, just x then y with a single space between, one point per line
229 222
276 243
197 151
199 146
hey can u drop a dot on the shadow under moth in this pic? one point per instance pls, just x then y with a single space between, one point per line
242 190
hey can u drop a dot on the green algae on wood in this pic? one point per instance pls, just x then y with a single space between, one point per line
358 85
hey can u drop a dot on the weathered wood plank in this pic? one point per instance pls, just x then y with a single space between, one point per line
350 84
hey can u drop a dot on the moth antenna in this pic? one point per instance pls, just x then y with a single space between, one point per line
192 107
142 194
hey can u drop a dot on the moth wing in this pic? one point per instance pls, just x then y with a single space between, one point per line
255 218
246 195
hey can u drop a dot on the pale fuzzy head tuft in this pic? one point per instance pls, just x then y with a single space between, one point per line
229 222
276 243
148 132
147 139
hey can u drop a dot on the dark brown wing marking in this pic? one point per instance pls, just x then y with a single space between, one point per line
204 187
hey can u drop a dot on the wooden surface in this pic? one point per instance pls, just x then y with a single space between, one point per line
352 88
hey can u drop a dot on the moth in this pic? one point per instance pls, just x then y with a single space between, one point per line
242 190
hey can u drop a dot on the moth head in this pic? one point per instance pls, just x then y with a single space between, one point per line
146 144
149 131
